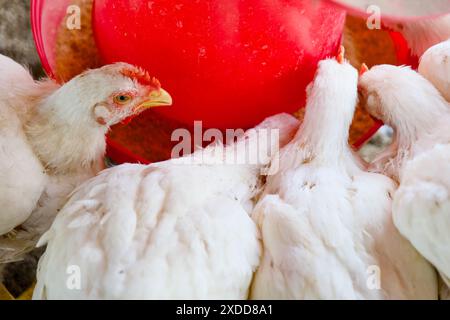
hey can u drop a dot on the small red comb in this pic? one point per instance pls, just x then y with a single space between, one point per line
340 55
141 76
364 69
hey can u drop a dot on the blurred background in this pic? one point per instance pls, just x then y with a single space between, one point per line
16 39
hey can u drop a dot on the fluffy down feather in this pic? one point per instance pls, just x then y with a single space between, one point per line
326 223
422 206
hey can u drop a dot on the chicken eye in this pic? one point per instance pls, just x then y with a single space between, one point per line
122 99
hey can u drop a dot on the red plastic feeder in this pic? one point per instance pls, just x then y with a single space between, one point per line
227 63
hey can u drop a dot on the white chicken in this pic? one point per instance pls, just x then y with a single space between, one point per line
325 222
435 67
178 229
419 157
52 138
22 174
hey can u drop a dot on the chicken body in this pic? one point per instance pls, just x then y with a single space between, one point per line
435 66
52 138
22 174
418 159
171 230
326 223
422 206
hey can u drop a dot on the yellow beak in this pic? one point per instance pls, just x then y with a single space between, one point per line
157 98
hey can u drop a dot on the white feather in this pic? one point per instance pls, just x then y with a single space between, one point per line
22 175
325 222
172 230
422 206
419 157
435 66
